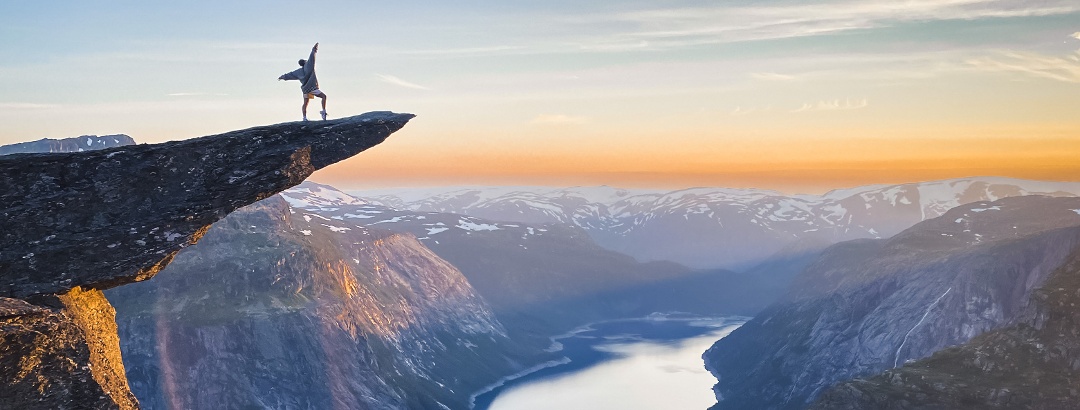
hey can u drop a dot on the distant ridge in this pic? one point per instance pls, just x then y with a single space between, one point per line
709 228
75 144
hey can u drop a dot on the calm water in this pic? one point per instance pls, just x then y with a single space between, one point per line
648 363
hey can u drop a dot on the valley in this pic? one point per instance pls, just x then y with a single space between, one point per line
473 298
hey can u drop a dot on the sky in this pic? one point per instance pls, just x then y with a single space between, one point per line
795 96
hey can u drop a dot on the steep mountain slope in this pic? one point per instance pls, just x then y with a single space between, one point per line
718 227
1032 364
75 223
275 309
539 279
76 144
868 305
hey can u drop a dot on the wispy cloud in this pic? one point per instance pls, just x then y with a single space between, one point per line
466 51
615 46
680 27
196 95
558 119
751 110
389 79
833 105
656 29
257 46
772 76
25 106
1065 69
1076 35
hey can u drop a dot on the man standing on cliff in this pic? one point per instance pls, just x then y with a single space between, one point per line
309 85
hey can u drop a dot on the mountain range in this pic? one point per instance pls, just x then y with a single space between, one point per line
540 278
74 144
710 228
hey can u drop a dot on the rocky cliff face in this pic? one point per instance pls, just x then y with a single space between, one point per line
870 305
1034 363
61 352
107 217
281 309
72 224
76 144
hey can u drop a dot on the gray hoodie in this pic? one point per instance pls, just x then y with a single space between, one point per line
305 74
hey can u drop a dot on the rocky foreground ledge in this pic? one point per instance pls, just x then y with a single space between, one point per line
72 224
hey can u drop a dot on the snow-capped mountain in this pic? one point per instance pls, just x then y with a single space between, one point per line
552 273
719 227
313 195
75 144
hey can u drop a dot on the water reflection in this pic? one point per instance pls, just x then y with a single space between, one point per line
643 364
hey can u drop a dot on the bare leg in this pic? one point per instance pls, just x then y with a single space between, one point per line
323 101
304 108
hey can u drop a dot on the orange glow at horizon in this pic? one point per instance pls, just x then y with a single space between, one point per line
812 163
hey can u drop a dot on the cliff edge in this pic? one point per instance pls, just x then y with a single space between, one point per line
72 224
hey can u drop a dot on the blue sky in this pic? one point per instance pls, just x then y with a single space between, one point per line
662 84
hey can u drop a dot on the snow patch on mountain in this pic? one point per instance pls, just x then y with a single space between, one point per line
311 195
337 229
432 231
472 226
391 220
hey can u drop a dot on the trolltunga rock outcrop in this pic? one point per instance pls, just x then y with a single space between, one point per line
109 217
72 224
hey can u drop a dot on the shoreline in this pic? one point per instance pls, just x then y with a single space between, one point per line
714 322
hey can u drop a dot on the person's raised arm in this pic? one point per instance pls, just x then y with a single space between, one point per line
309 66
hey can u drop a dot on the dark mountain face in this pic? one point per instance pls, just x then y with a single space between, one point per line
76 144
276 309
1034 363
870 305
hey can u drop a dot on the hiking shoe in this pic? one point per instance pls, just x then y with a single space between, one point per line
323 113
305 119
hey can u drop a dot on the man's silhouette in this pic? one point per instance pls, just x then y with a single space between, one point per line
309 85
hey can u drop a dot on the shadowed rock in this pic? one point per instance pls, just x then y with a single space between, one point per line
867 306
109 217
1032 364
63 353
72 224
